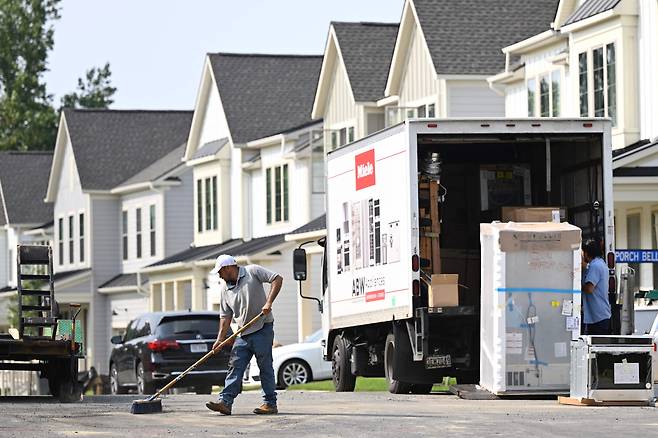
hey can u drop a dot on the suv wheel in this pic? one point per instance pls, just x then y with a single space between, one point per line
293 372
143 387
115 387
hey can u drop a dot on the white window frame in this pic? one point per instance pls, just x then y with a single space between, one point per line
537 95
207 203
71 237
271 192
590 80
60 240
125 224
82 235
139 232
153 221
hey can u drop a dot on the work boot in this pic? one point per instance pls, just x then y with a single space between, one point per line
220 407
266 409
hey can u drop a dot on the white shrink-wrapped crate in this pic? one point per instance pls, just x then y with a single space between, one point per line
530 306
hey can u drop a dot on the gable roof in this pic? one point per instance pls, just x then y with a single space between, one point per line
23 185
589 8
263 95
465 37
317 224
366 49
111 146
211 148
158 168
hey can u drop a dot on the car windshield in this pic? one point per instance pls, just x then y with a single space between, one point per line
188 325
314 337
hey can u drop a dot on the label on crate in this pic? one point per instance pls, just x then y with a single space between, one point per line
627 373
567 308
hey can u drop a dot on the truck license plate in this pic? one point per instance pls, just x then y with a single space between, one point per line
441 361
198 348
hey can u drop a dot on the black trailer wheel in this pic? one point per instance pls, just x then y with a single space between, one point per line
394 386
63 380
421 388
344 380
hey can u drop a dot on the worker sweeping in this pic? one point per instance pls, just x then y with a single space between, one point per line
243 298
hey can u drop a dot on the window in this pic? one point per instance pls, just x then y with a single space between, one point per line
334 140
597 71
124 234
599 89
555 93
277 196
430 110
268 194
71 241
583 87
342 134
421 112
60 241
611 81
531 97
138 232
199 205
12 263
214 202
317 167
544 97
208 204
152 229
81 242
350 134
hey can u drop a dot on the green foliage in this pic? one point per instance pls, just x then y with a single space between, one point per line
27 118
95 91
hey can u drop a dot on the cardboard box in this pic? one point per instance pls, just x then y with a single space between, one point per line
530 214
444 290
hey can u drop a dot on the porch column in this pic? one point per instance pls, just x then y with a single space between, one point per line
198 290
621 234
156 297
646 237
168 296
179 295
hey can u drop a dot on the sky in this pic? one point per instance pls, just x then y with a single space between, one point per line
156 48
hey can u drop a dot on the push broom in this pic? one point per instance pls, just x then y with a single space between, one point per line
153 404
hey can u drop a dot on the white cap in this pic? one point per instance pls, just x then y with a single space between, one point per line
223 260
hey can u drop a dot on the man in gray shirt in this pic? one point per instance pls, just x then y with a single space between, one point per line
242 299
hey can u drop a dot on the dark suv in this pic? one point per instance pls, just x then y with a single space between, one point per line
158 346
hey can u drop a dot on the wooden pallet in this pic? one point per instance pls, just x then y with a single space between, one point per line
577 401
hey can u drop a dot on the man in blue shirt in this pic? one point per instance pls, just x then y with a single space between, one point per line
596 305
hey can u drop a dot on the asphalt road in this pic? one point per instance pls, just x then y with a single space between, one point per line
312 414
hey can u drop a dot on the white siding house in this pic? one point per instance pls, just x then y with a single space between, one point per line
107 162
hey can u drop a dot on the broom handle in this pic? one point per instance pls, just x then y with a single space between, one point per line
206 356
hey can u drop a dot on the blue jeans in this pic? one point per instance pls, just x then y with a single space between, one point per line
257 344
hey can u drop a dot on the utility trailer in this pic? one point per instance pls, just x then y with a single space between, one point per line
43 342
408 201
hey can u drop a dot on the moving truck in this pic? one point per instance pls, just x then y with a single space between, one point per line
401 283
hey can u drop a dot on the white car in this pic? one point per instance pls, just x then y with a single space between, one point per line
294 364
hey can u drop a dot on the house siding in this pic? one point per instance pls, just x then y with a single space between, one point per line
419 81
648 68
285 306
214 125
178 217
70 200
127 307
473 99
516 100
106 257
341 110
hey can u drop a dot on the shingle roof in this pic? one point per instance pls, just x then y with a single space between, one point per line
466 36
367 49
124 280
158 168
263 95
59 276
317 224
196 253
210 148
632 148
590 8
112 146
23 186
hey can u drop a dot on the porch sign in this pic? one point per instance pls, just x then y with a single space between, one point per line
636 255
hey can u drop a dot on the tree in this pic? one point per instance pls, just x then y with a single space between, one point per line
95 91
27 118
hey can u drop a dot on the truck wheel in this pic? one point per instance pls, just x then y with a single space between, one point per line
64 378
421 388
53 386
394 386
344 380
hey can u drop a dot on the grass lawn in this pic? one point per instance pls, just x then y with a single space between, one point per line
364 384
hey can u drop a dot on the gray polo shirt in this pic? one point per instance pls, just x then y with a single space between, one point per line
245 299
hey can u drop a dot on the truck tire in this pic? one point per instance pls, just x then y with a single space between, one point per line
341 371
421 388
394 386
62 380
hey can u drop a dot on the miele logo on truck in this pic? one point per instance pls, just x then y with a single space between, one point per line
364 169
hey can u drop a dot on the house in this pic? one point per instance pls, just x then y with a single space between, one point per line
355 66
121 201
446 49
258 170
23 183
598 58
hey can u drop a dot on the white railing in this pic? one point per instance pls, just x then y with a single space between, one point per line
13 382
